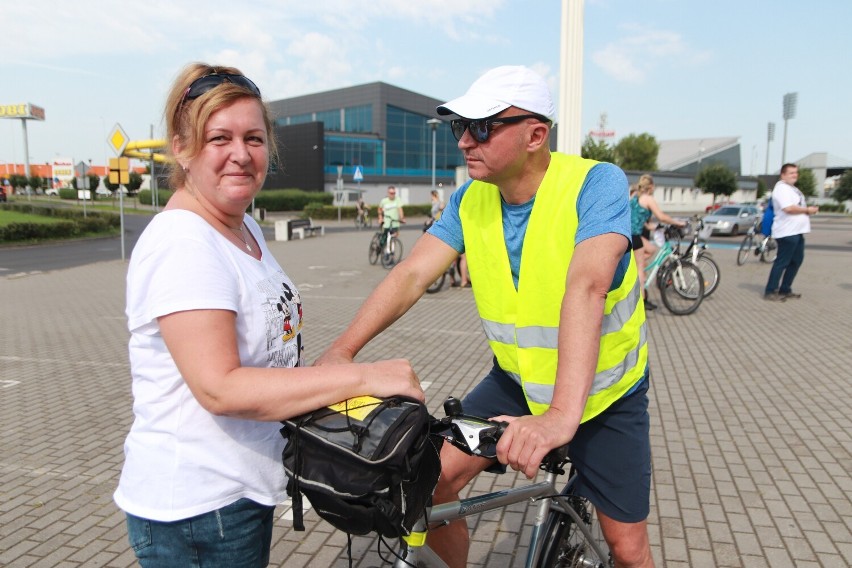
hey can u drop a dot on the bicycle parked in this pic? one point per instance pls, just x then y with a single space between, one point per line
385 245
758 244
680 281
697 253
566 532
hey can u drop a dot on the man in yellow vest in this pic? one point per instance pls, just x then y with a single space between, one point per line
547 239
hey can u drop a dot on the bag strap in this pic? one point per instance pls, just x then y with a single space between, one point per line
298 511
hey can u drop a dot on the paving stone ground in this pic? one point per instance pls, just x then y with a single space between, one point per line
750 404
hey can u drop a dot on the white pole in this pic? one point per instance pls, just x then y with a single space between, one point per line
569 139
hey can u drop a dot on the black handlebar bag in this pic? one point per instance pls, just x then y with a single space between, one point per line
365 464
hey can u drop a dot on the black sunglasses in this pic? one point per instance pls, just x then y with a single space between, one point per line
205 84
481 128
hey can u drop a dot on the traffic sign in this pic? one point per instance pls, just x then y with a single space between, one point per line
118 139
119 170
359 175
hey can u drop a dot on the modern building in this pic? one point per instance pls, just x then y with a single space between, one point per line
380 131
689 156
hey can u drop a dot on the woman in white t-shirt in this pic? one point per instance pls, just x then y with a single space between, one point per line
216 351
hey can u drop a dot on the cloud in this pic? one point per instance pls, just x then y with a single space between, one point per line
632 58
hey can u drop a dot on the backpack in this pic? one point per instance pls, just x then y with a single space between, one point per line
768 218
365 464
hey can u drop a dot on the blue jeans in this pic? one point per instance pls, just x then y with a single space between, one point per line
791 254
236 536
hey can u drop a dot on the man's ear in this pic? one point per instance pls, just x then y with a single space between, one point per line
539 136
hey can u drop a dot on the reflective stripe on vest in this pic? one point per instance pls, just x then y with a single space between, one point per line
522 326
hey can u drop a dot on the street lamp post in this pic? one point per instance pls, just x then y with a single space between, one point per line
790 100
433 122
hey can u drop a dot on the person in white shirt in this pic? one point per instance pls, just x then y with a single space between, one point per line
216 345
792 221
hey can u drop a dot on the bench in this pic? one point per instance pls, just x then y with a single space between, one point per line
292 228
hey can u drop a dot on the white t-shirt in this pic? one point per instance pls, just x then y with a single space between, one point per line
785 224
180 460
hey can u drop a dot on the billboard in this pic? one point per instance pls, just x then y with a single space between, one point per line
63 172
27 111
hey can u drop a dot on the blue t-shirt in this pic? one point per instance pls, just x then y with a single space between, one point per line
602 207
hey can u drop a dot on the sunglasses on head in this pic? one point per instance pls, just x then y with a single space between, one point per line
481 128
205 84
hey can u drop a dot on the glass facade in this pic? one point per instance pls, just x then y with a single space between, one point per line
406 152
409 145
359 118
350 152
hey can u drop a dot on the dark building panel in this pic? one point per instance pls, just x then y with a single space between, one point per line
301 152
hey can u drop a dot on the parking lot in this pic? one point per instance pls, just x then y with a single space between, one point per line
751 418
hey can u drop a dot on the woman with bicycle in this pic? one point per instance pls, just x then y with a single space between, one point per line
642 207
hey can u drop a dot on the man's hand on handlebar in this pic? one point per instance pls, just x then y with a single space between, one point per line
529 438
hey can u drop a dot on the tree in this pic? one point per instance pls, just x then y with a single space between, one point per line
637 152
716 179
806 182
761 188
36 183
597 150
94 182
17 181
109 185
135 182
843 191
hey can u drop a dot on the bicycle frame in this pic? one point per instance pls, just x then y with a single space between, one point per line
418 553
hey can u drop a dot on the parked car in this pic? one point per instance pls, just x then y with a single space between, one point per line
732 219
714 206
51 191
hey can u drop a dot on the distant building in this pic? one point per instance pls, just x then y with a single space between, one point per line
689 156
379 128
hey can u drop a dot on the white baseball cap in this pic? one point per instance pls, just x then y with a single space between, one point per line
500 88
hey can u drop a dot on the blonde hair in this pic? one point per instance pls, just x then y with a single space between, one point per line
185 119
646 182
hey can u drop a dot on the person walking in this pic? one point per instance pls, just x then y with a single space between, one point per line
792 221
565 324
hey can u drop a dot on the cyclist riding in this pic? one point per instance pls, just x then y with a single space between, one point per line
390 212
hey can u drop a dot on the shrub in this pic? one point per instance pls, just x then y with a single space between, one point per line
72 223
291 199
163 195
318 211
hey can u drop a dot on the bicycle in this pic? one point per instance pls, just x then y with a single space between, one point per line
680 282
566 532
385 245
697 253
766 248
438 284
363 220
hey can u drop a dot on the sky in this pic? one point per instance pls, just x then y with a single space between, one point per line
677 69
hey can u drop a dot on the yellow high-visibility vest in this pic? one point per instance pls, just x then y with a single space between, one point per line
522 326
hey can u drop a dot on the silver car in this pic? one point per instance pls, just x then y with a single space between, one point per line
732 219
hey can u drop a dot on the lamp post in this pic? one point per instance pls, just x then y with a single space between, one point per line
790 100
433 122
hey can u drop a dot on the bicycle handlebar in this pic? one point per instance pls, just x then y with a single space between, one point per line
478 436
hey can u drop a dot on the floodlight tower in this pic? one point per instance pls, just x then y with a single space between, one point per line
790 100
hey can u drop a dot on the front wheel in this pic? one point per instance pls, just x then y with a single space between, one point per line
392 253
438 284
565 545
770 250
710 271
683 288
745 250
375 249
